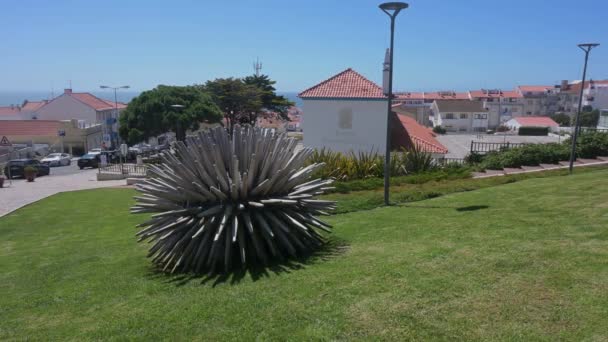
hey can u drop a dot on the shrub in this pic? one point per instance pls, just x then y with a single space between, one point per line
473 158
362 165
439 130
502 128
534 131
591 144
528 155
562 119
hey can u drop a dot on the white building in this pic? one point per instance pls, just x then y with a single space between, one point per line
345 112
502 105
460 116
532 121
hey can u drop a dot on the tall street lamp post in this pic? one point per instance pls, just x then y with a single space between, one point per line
586 48
391 9
115 104
178 134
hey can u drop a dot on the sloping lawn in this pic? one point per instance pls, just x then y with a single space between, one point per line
522 261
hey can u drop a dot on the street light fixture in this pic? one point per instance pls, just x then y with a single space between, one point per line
391 9
586 48
115 101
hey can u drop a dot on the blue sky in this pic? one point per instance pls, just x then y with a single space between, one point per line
440 44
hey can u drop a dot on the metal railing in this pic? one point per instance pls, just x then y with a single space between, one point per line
446 161
124 169
485 147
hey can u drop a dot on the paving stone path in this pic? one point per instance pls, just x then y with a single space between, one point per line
20 193
541 167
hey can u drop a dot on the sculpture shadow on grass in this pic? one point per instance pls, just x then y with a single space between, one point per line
460 209
333 248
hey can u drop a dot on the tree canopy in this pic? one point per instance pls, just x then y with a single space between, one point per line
243 100
164 109
270 100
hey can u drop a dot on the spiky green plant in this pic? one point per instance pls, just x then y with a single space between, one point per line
219 201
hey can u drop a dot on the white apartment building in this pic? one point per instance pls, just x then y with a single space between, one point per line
461 116
501 105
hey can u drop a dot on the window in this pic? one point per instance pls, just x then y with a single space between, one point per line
530 102
449 116
345 118
463 129
464 116
515 109
481 116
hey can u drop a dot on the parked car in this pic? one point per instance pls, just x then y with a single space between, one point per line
57 159
89 160
16 168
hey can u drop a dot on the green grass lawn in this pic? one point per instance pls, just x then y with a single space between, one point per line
521 261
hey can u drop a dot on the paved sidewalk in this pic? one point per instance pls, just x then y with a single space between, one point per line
22 193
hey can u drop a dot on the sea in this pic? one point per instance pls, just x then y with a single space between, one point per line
8 98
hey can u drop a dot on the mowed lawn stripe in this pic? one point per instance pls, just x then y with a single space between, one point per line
527 260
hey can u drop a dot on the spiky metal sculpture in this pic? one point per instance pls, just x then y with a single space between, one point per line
220 200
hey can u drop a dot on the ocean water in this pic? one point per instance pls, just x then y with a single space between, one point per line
17 98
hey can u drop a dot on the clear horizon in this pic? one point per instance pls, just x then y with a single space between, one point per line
439 45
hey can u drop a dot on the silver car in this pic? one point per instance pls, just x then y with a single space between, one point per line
57 159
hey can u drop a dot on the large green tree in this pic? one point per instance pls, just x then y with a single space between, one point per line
238 101
164 109
271 102
243 100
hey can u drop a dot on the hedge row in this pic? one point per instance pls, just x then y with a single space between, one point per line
590 145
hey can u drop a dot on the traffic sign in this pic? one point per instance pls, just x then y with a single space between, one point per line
5 142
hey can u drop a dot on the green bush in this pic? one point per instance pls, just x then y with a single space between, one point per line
562 119
528 155
591 145
533 131
351 166
439 130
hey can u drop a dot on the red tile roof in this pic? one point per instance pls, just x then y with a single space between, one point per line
576 87
407 132
435 95
29 127
446 95
487 94
347 84
95 102
9 110
534 89
31 106
409 96
536 121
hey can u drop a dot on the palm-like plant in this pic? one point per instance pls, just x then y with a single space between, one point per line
220 200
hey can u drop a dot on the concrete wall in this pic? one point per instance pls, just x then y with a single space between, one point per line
344 125
65 107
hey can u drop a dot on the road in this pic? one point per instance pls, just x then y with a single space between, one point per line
18 192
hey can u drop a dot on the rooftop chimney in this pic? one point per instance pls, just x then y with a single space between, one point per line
67 91
564 85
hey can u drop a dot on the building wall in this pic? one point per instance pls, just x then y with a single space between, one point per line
75 137
344 125
603 122
65 107
599 95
